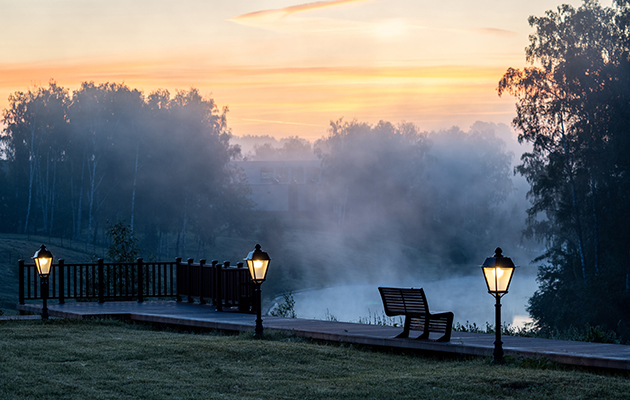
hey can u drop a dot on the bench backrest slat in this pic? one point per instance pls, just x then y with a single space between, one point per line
400 301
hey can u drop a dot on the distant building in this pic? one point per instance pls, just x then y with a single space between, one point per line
283 186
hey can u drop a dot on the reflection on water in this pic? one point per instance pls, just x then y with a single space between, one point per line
467 297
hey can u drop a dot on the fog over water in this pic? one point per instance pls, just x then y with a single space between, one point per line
466 296
403 208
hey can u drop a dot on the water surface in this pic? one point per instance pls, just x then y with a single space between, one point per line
467 297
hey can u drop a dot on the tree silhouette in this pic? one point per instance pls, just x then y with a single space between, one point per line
572 105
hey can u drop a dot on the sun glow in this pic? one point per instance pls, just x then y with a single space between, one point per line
294 101
286 69
390 28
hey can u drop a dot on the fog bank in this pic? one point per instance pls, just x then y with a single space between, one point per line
467 297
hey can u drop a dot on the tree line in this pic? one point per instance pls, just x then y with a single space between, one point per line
573 106
74 162
412 205
443 192
78 163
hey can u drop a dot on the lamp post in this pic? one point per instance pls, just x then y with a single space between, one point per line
43 260
498 271
258 262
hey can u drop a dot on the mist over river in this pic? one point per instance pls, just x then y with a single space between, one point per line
467 297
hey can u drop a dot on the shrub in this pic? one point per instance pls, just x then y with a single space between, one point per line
286 309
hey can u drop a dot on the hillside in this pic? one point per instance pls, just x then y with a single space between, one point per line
16 247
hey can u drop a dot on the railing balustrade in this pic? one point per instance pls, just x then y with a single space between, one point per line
221 284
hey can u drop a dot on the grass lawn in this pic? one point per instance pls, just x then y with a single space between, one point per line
62 359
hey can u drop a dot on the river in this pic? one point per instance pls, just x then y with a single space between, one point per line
467 297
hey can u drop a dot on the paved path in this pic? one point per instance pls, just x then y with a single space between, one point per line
204 316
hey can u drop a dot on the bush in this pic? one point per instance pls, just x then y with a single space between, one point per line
286 309
124 247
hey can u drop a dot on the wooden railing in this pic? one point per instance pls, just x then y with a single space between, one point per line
220 284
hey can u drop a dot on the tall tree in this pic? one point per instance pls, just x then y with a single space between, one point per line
468 180
438 192
106 153
36 123
573 106
189 151
369 173
104 121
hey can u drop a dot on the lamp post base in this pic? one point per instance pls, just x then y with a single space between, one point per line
258 332
498 344
44 287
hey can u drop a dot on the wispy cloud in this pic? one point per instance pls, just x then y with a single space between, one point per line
280 122
492 31
282 19
282 12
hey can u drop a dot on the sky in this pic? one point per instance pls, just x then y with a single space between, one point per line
282 67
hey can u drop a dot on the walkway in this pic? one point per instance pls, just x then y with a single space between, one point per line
204 316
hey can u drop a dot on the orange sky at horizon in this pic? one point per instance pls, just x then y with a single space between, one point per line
284 68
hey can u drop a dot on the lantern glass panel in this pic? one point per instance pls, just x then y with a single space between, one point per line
258 269
43 265
498 278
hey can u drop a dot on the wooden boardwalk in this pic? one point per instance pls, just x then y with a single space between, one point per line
184 314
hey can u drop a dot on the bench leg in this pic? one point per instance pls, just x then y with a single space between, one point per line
448 323
405 332
424 336
449 326
445 338
425 330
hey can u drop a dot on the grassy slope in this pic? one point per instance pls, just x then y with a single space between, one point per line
104 359
16 247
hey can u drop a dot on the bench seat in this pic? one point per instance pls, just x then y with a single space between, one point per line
412 304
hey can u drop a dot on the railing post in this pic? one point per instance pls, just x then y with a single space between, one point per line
101 281
62 279
219 286
213 281
21 281
140 281
202 263
52 276
178 275
190 280
242 304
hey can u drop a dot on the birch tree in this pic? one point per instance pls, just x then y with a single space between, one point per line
572 105
35 123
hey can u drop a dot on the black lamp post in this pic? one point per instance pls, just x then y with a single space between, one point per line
43 260
258 262
498 271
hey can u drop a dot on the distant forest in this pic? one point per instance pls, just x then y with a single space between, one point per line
76 163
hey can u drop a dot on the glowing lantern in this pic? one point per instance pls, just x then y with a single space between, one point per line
498 271
258 263
43 260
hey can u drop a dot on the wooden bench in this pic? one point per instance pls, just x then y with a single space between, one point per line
412 303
